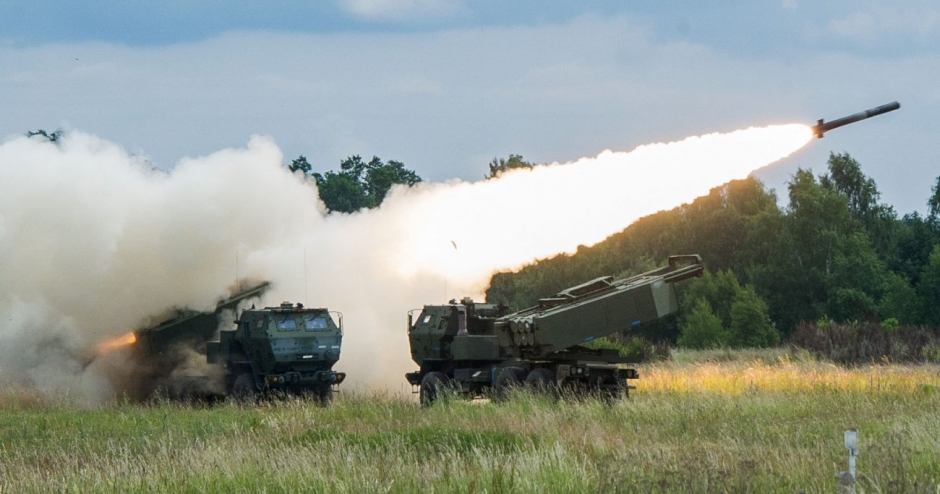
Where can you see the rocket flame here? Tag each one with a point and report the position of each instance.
(107, 346)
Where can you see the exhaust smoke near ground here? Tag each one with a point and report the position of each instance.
(93, 243)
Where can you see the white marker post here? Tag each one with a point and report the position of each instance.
(847, 479)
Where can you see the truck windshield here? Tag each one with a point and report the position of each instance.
(287, 323)
(316, 323)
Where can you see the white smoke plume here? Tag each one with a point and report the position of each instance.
(93, 242)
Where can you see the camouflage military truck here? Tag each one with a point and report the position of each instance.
(288, 348)
(478, 350)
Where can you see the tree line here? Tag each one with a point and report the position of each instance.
(359, 184)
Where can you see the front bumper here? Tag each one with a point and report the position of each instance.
(303, 379)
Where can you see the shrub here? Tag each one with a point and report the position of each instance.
(864, 343)
(702, 329)
(750, 322)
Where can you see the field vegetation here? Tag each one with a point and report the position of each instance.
(701, 421)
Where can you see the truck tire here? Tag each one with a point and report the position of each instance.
(433, 385)
(614, 391)
(325, 395)
(507, 379)
(244, 387)
(542, 381)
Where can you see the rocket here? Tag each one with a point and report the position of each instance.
(822, 126)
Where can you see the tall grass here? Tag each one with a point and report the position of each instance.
(706, 426)
(779, 370)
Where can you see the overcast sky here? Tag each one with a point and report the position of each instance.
(447, 85)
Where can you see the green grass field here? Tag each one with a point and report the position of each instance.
(702, 422)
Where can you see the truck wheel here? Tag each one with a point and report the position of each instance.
(507, 379)
(244, 388)
(613, 394)
(542, 381)
(432, 387)
(325, 395)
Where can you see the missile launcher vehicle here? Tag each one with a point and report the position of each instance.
(288, 348)
(478, 350)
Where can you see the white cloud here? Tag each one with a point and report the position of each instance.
(399, 10)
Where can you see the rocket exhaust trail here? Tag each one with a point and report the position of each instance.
(529, 214)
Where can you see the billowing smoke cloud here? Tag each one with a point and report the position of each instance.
(93, 242)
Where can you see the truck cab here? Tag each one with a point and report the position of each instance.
(288, 348)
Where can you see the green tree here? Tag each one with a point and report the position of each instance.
(719, 290)
(751, 326)
(51, 136)
(359, 184)
(913, 241)
(300, 164)
(718, 226)
(928, 290)
(899, 301)
(856, 280)
(742, 316)
(380, 177)
(499, 165)
(933, 206)
(701, 328)
(341, 192)
(811, 250)
(845, 176)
